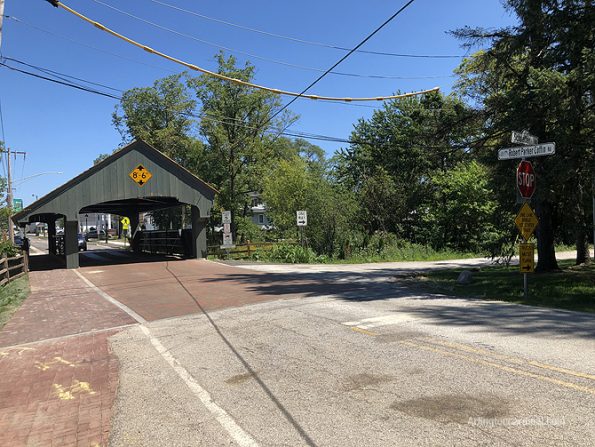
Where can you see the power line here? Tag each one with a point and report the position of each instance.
(220, 76)
(353, 50)
(203, 116)
(266, 59)
(83, 44)
(304, 41)
(62, 75)
(97, 92)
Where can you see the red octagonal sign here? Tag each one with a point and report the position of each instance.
(525, 179)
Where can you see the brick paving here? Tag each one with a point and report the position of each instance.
(58, 393)
(154, 293)
(56, 390)
(60, 304)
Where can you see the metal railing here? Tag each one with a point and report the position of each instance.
(169, 242)
(14, 267)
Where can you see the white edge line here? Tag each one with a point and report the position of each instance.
(105, 296)
(228, 423)
(240, 436)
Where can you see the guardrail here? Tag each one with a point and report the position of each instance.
(13, 268)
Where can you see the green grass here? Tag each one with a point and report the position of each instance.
(407, 255)
(571, 288)
(11, 297)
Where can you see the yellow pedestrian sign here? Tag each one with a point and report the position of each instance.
(140, 175)
(526, 221)
(125, 222)
(527, 258)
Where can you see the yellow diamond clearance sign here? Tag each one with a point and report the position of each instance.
(526, 221)
(140, 175)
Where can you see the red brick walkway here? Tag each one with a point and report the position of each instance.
(58, 392)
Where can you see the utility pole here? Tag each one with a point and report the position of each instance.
(1, 19)
(9, 197)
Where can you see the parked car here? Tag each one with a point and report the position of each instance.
(93, 234)
(82, 242)
(18, 240)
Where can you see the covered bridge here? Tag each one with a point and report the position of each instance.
(137, 178)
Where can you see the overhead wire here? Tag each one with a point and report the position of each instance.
(304, 41)
(220, 76)
(256, 56)
(78, 42)
(238, 122)
(353, 50)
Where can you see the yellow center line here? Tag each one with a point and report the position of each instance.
(562, 370)
(520, 372)
(493, 355)
(363, 331)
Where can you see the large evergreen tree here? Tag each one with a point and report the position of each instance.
(539, 76)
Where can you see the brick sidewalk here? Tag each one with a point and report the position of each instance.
(60, 304)
(57, 390)
(59, 393)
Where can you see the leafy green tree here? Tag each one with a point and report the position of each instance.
(462, 210)
(393, 155)
(236, 123)
(539, 76)
(295, 185)
(163, 116)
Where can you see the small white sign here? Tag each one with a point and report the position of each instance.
(302, 218)
(226, 217)
(538, 150)
(523, 137)
(227, 241)
(226, 228)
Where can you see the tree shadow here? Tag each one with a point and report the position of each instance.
(388, 284)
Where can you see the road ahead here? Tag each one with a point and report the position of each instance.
(329, 356)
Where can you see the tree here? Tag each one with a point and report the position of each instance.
(163, 116)
(538, 76)
(294, 185)
(236, 122)
(468, 206)
(393, 155)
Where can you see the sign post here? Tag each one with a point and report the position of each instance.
(302, 222)
(227, 235)
(526, 220)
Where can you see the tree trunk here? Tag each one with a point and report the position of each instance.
(582, 246)
(545, 238)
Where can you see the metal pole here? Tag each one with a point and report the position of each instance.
(526, 285)
(593, 194)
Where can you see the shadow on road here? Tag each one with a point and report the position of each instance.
(386, 284)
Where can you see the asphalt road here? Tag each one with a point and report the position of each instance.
(355, 359)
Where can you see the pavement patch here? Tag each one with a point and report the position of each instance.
(454, 408)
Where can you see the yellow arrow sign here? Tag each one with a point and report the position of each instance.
(526, 221)
(527, 258)
(140, 175)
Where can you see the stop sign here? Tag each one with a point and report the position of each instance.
(525, 179)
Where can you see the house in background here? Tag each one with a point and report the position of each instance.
(258, 208)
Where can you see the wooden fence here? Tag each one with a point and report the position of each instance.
(240, 250)
(13, 268)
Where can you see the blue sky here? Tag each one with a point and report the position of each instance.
(63, 129)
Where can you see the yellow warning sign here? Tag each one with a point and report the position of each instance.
(125, 222)
(527, 258)
(526, 221)
(140, 175)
